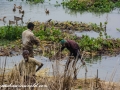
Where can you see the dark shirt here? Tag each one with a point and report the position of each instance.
(72, 46)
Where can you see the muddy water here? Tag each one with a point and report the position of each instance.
(107, 66)
(36, 12)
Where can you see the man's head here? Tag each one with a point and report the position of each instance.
(25, 55)
(30, 26)
(63, 42)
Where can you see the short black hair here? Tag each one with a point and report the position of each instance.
(25, 52)
(30, 24)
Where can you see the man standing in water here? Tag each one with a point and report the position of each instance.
(28, 39)
(27, 68)
(74, 49)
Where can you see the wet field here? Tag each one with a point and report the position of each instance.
(36, 12)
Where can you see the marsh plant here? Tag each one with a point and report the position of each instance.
(51, 33)
(11, 32)
(92, 5)
(51, 36)
(118, 29)
(98, 44)
(35, 1)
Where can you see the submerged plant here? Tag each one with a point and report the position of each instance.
(118, 29)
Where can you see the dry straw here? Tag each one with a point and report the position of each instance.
(60, 79)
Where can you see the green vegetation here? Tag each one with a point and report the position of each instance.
(92, 5)
(98, 44)
(53, 34)
(50, 34)
(11, 32)
(118, 29)
(102, 44)
(4, 42)
(36, 1)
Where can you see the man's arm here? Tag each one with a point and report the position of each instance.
(35, 40)
(39, 67)
(62, 48)
(39, 64)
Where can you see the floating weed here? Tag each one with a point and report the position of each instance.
(118, 29)
(98, 44)
(35, 1)
(92, 6)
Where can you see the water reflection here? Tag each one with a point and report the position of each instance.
(106, 68)
(89, 33)
(77, 12)
(93, 60)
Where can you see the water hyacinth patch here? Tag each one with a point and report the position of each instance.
(35, 1)
(92, 5)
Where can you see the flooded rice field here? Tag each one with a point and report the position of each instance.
(36, 12)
